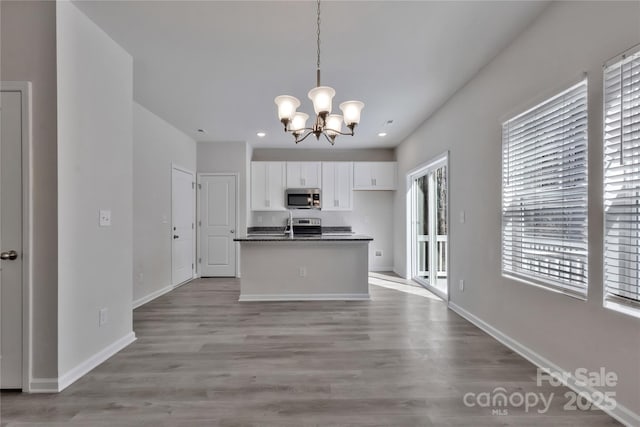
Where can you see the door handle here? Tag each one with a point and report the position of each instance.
(9, 255)
(175, 236)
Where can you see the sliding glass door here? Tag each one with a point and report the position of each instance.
(429, 225)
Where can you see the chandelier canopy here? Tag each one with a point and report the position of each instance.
(325, 123)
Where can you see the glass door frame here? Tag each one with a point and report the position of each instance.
(412, 224)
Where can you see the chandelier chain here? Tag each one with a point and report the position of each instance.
(318, 34)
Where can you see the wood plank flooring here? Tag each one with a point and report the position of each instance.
(203, 359)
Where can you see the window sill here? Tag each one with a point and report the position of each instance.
(611, 303)
(546, 286)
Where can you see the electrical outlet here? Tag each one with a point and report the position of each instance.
(105, 218)
(461, 285)
(302, 271)
(103, 317)
(378, 253)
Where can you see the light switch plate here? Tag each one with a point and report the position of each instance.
(105, 218)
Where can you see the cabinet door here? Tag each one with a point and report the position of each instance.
(311, 174)
(344, 185)
(362, 176)
(384, 175)
(267, 186)
(374, 176)
(337, 186)
(329, 198)
(294, 175)
(304, 175)
(275, 185)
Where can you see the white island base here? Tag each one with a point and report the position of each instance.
(304, 270)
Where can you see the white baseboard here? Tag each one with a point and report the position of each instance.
(153, 295)
(305, 297)
(620, 412)
(43, 385)
(83, 368)
(376, 269)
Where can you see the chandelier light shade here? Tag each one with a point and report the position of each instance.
(286, 106)
(299, 123)
(325, 123)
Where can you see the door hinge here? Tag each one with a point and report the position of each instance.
(193, 267)
(199, 186)
(199, 223)
(192, 226)
(193, 185)
(199, 260)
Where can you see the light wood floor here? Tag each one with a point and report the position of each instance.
(203, 359)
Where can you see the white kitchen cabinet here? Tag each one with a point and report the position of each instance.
(374, 175)
(304, 175)
(267, 186)
(337, 186)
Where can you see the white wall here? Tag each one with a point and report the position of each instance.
(372, 212)
(94, 172)
(567, 39)
(156, 146)
(28, 53)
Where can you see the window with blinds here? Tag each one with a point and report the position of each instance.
(544, 193)
(622, 180)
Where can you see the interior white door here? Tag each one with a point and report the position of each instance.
(11, 239)
(218, 197)
(183, 226)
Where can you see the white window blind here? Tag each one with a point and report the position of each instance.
(544, 193)
(622, 179)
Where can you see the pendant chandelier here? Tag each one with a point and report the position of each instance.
(325, 123)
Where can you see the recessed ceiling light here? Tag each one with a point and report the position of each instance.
(261, 134)
(202, 131)
(382, 134)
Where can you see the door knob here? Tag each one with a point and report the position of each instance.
(9, 255)
(175, 236)
(232, 231)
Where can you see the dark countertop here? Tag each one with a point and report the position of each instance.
(285, 238)
(280, 230)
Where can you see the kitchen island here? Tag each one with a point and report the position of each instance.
(278, 268)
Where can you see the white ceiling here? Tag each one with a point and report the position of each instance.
(217, 65)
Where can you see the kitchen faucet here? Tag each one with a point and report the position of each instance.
(290, 224)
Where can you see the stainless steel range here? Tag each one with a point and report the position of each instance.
(305, 226)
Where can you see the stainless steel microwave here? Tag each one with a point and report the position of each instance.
(303, 198)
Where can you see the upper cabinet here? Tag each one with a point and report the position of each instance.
(267, 186)
(304, 175)
(337, 186)
(374, 175)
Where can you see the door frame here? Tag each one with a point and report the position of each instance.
(177, 167)
(199, 218)
(27, 226)
(437, 161)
